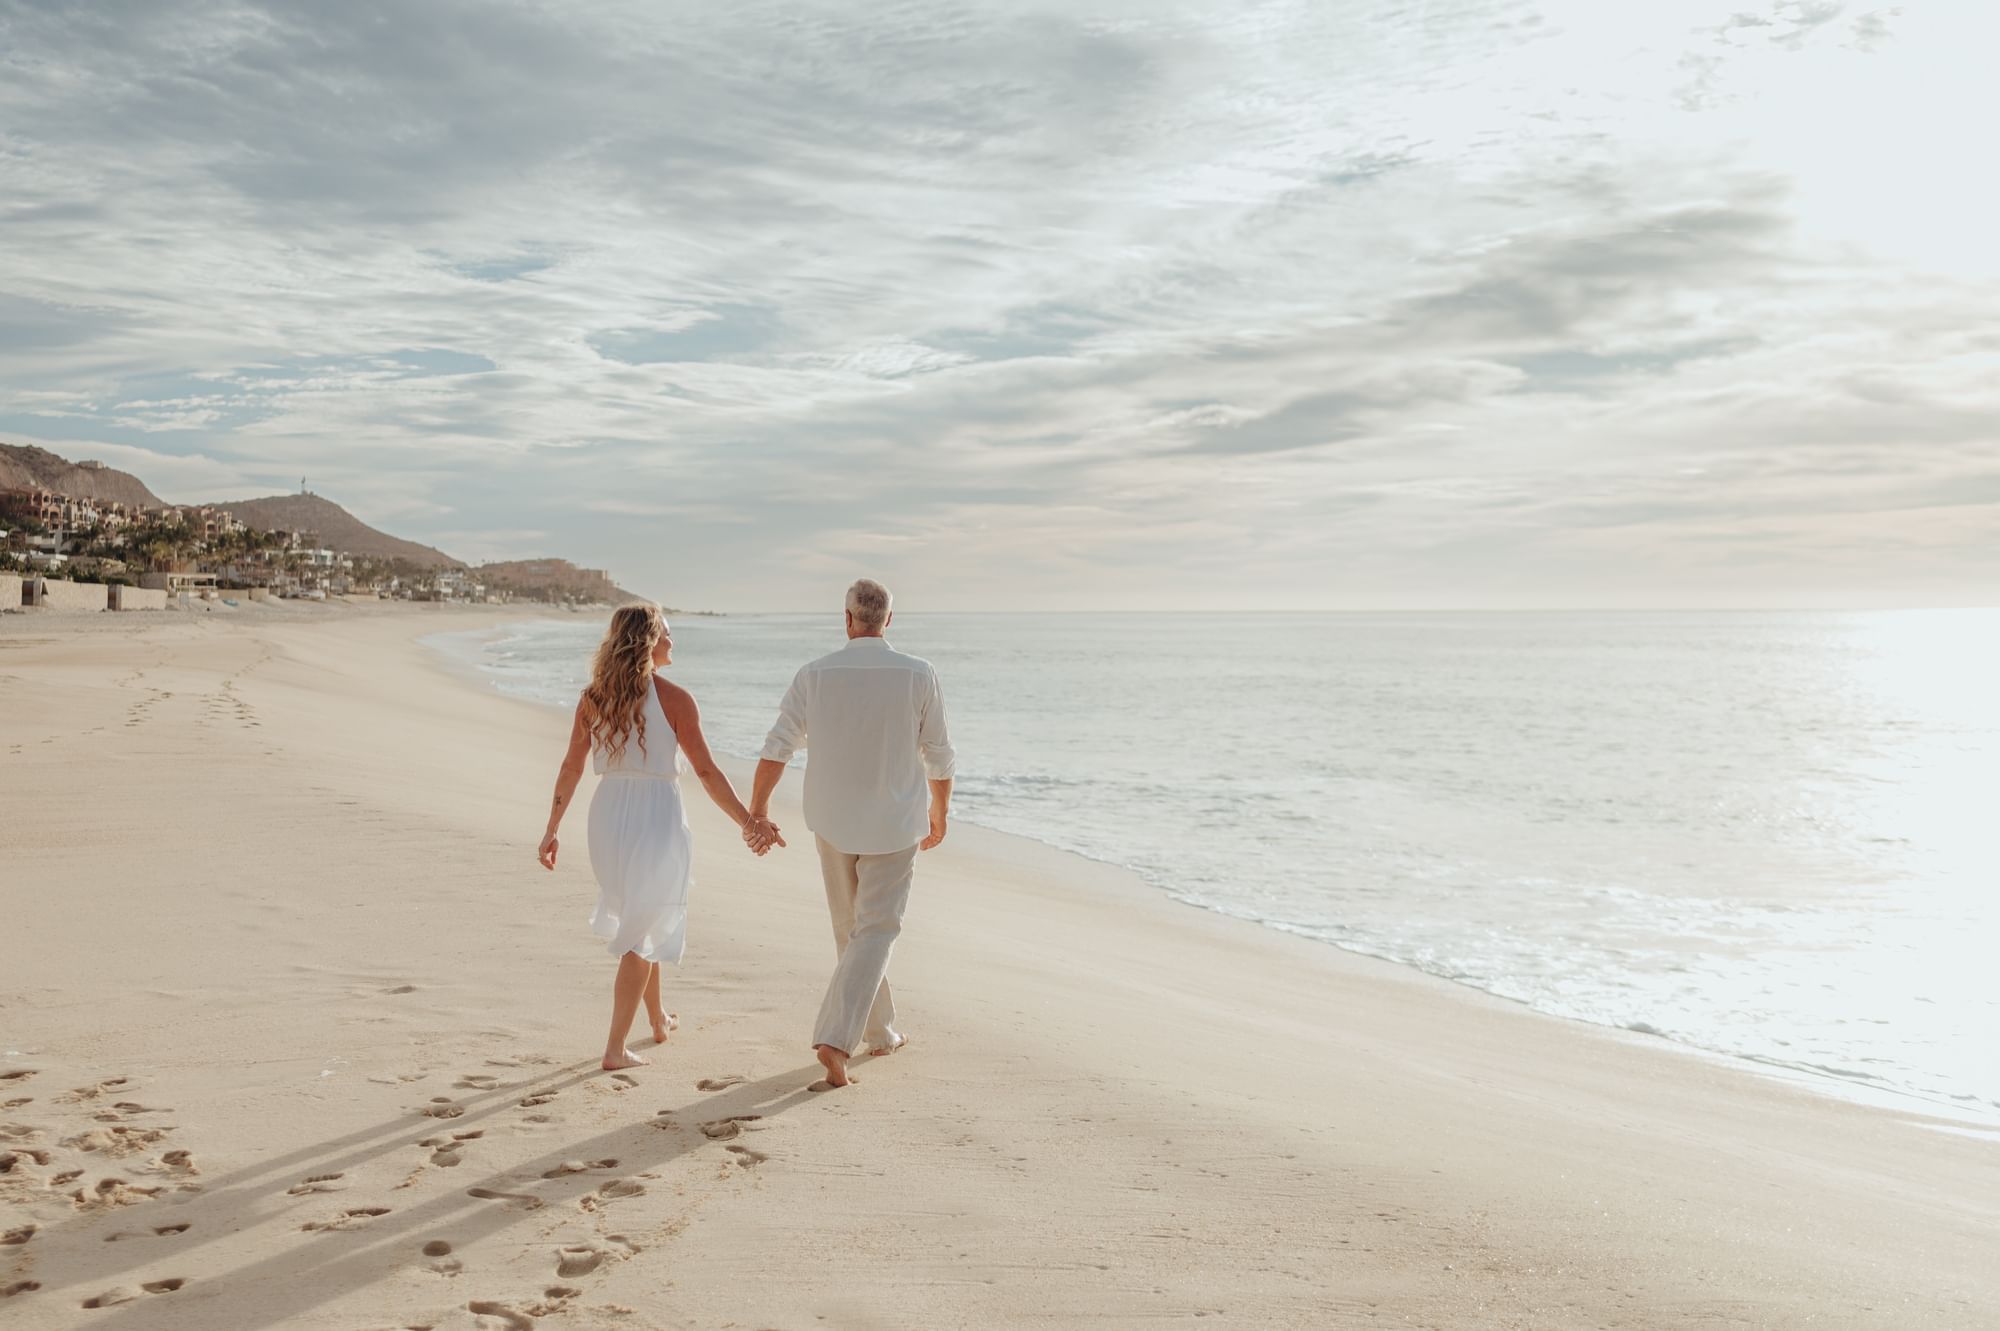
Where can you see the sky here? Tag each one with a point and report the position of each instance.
(1154, 306)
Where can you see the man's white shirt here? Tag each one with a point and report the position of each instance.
(873, 721)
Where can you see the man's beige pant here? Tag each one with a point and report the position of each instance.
(866, 895)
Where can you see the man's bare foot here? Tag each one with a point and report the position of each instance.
(883, 1051)
(624, 1058)
(665, 1027)
(835, 1064)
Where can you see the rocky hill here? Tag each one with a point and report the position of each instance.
(338, 529)
(553, 578)
(23, 467)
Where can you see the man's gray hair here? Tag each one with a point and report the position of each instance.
(869, 602)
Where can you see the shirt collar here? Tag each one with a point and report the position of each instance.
(868, 644)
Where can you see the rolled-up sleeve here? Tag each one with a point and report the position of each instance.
(788, 735)
(933, 735)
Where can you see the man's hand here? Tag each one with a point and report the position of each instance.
(547, 854)
(760, 834)
(936, 838)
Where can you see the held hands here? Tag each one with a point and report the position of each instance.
(547, 854)
(760, 834)
(936, 838)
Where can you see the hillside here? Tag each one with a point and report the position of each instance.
(337, 528)
(23, 467)
(539, 578)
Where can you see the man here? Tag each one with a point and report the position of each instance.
(873, 722)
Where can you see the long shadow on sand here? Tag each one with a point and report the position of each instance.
(224, 1199)
(314, 1268)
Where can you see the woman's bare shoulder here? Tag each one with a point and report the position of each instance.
(672, 694)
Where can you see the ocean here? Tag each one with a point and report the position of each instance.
(1771, 836)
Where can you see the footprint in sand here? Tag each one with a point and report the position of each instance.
(722, 1129)
(121, 1294)
(14, 1238)
(578, 1261)
(622, 1082)
(569, 1167)
(719, 1083)
(19, 1287)
(442, 1107)
(317, 1183)
(18, 1074)
(110, 1298)
(109, 1194)
(115, 1141)
(78, 1094)
(449, 1152)
(355, 1218)
(11, 1160)
(443, 1262)
(541, 1098)
(402, 989)
(17, 1102)
(620, 1188)
(745, 1156)
(18, 1132)
(125, 1109)
(517, 1200)
(446, 1152)
(510, 1319)
(553, 1298)
(157, 1232)
(477, 1081)
(179, 1162)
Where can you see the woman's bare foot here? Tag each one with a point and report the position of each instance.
(835, 1064)
(664, 1026)
(624, 1058)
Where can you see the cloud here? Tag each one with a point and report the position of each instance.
(1029, 303)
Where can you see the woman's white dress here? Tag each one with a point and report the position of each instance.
(639, 844)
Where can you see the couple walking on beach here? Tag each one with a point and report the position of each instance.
(878, 789)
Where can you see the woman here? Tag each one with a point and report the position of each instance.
(640, 730)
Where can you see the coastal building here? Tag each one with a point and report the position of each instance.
(204, 522)
(123, 598)
(46, 508)
(174, 584)
(55, 594)
(42, 508)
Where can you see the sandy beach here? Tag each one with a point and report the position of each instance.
(294, 1033)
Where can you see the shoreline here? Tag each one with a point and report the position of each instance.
(1111, 1111)
(1970, 1118)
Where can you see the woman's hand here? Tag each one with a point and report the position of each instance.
(760, 834)
(547, 854)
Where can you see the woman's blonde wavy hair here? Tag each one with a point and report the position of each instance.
(614, 702)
